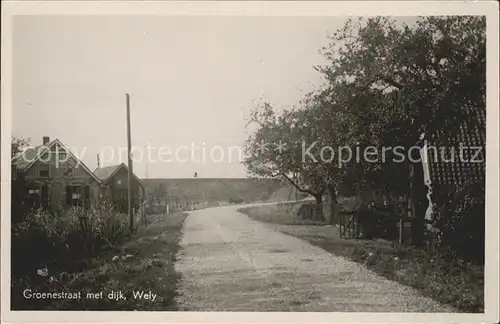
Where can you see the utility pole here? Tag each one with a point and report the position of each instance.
(146, 167)
(129, 184)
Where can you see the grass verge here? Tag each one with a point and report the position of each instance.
(145, 264)
(276, 215)
(437, 275)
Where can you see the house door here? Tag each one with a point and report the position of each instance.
(78, 196)
(44, 196)
(120, 198)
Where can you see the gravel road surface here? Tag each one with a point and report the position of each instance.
(230, 262)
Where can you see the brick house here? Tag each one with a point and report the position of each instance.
(114, 186)
(54, 177)
(50, 176)
(446, 168)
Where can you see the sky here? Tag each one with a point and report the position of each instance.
(191, 80)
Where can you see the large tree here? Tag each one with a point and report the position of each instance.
(17, 145)
(386, 84)
(160, 193)
(275, 149)
(399, 81)
(18, 184)
(436, 65)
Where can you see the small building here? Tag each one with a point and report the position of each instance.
(114, 184)
(52, 176)
(452, 171)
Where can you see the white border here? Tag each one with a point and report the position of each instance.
(252, 8)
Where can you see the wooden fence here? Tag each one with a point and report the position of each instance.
(312, 212)
(349, 225)
(303, 210)
(289, 207)
(370, 224)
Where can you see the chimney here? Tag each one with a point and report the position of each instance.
(46, 140)
(98, 162)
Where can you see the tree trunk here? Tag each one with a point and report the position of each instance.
(319, 198)
(418, 202)
(333, 205)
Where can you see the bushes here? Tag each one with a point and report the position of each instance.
(236, 200)
(283, 214)
(154, 209)
(461, 223)
(60, 243)
(463, 233)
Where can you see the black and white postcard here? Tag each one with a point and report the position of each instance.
(250, 161)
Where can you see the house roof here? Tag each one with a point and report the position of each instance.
(31, 155)
(447, 165)
(105, 173)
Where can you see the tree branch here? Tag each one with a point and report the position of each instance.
(309, 191)
(392, 82)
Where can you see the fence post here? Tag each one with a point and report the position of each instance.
(357, 227)
(340, 224)
(401, 226)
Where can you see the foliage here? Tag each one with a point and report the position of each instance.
(282, 214)
(46, 240)
(236, 200)
(460, 223)
(386, 84)
(146, 262)
(160, 193)
(437, 65)
(291, 129)
(18, 144)
(398, 81)
(47, 246)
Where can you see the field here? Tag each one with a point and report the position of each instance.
(220, 190)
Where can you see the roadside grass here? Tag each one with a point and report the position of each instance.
(274, 214)
(143, 264)
(437, 275)
(214, 190)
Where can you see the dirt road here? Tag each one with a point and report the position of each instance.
(230, 262)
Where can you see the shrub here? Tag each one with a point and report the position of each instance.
(236, 200)
(461, 223)
(154, 209)
(61, 242)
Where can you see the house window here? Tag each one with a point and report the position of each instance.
(67, 170)
(119, 195)
(44, 170)
(58, 154)
(38, 196)
(62, 156)
(34, 191)
(78, 195)
(119, 182)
